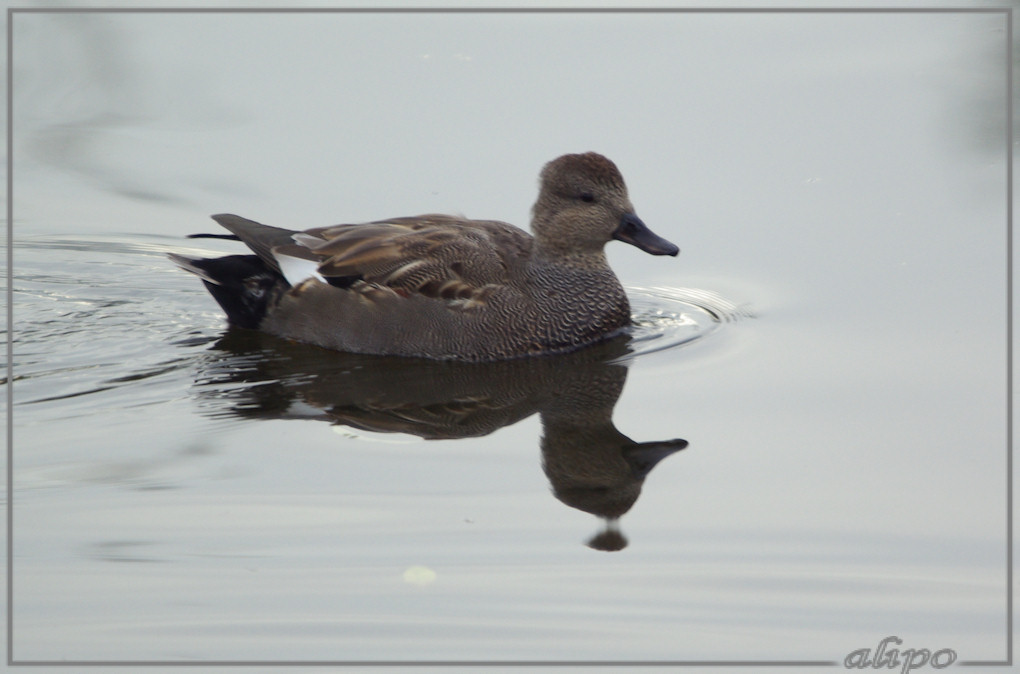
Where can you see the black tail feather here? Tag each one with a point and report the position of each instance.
(242, 284)
(228, 237)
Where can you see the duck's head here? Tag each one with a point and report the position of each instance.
(583, 204)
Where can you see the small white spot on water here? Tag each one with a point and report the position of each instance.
(419, 575)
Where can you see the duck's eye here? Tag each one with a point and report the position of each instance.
(587, 197)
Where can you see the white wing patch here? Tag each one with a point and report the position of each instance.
(297, 269)
(307, 240)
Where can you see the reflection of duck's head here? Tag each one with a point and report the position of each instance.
(603, 478)
(613, 492)
(590, 464)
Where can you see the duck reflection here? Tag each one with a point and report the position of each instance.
(591, 465)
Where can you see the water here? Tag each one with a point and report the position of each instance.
(798, 451)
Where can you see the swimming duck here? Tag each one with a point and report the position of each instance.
(439, 286)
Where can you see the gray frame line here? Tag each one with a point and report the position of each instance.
(1009, 335)
(508, 10)
(432, 663)
(9, 383)
(10, 340)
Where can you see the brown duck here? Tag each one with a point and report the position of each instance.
(439, 286)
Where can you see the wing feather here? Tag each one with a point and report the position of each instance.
(461, 262)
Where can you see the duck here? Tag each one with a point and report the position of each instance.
(442, 287)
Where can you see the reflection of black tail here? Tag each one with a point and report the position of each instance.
(242, 284)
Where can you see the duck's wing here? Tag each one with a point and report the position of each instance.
(437, 256)
(433, 255)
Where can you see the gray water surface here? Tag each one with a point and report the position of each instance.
(798, 451)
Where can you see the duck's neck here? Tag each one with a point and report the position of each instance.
(575, 260)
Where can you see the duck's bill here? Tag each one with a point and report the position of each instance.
(636, 233)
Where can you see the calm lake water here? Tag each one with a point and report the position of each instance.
(800, 450)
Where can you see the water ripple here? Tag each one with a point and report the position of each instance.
(665, 318)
